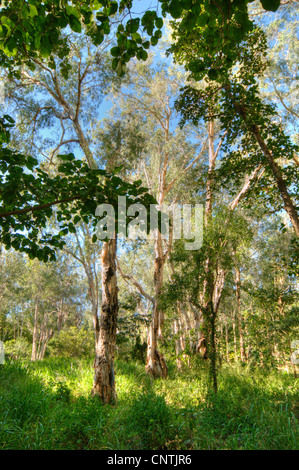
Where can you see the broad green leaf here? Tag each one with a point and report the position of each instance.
(72, 11)
(159, 23)
(270, 5)
(202, 20)
(33, 11)
(112, 9)
(154, 41)
(75, 24)
(186, 4)
(115, 51)
(45, 47)
(212, 74)
(133, 25)
(175, 9)
(190, 21)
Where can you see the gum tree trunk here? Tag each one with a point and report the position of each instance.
(35, 333)
(155, 362)
(104, 376)
(239, 314)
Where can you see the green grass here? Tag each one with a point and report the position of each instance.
(47, 405)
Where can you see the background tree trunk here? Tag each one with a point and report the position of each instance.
(35, 333)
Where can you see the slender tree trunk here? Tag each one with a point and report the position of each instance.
(182, 331)
(227, 341)
(155, 362)
(178, 349)
(200, 328)
(104, 375)
(35, 333)
(211, 171)
(239, 315)
(47, 335)
(210, 314)
(235, 340)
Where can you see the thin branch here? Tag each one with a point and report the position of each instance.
(183, 171)
(39, 207)
(247, 186)
(129, 277)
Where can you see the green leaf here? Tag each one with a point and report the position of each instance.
(72, 228)
(144, 55)
(159, 23)
(133, 25)
(203, 20)
(45, 47)
(9, 118)
(115, 51)
(175, 9)
(196, 66)
(71, 11)
(33, 11)
(115, 63)
(212, 74)
(270, 5)
(113, 7)
(190, 21)
(186, 4)
(75, 24)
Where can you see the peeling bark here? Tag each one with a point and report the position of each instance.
(239, 314)
(155, 362)
(104, 375)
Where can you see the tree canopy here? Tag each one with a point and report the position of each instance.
(32, 29)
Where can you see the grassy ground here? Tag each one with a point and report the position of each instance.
(47, 405)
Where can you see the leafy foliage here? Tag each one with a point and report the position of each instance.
(253, 135)
(29, 196)
(32, 29)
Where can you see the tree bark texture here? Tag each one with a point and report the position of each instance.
(104, 375)
(155, 362)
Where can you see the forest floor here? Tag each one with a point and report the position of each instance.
(47, 406)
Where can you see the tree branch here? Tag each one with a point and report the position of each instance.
(129, 277)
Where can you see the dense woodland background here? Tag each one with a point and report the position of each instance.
(226, 315)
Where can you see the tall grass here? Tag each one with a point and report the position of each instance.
(47, 405)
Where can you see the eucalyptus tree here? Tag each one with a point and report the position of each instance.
(68, 99)
(13, 268)
(144, 140)
(271, 294)
(32, 30)
(38, 299)
(52, 294)
(62, 102)
(278, 84)
(244, 115)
